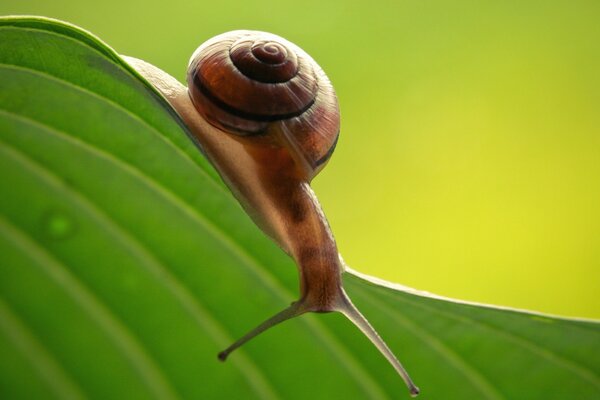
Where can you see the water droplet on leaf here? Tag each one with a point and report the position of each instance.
(58, 225)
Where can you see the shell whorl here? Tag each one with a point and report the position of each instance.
(253, 83)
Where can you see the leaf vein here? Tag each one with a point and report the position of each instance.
(548, 354)
(40, 358)
(178, 150)
(480, 382)
(337, 348)
(188, 302)
(106, 320)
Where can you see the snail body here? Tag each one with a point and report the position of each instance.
(287, 128)
(266, 116)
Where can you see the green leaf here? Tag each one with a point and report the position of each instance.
(126, 265)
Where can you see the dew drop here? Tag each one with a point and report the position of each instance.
(58, 225)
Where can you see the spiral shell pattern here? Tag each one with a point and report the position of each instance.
(251, 83)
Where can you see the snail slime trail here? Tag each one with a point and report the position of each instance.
(266, 116)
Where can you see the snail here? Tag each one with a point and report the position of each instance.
(267, 117)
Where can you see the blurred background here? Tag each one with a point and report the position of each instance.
(469, 159)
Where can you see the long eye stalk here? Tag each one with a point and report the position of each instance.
(292, 311)
(352, 313)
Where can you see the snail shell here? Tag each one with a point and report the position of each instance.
(254, 83)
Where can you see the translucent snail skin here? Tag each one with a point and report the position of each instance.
(266, 116)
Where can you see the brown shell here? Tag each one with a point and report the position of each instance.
(250, 83)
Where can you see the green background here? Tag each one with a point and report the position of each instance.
(469, 161)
